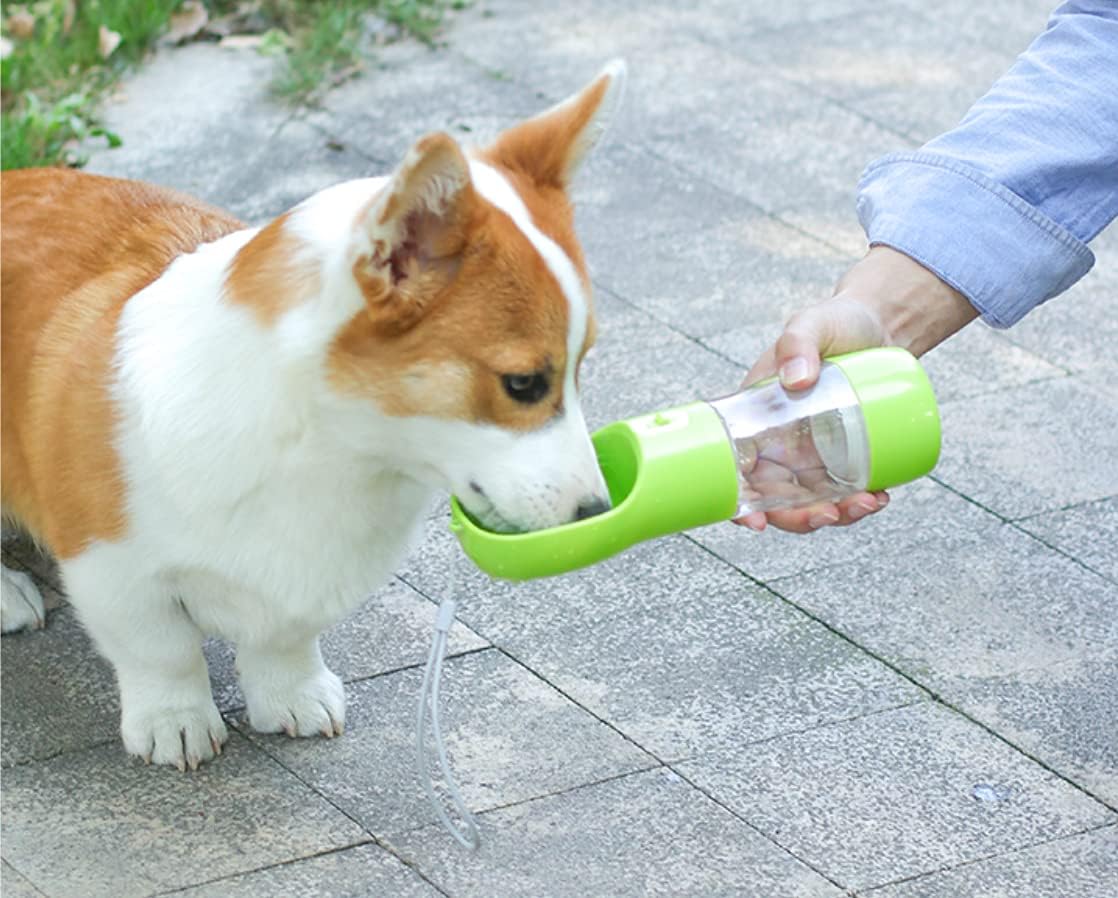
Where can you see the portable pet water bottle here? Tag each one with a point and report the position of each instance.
(869, 423)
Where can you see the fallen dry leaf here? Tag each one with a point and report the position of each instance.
(107, 41)
(187, 22)
(20, 23)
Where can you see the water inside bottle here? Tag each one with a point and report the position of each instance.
(796, 449)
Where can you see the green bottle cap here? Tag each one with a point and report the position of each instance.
(667, 471)
(899, 411)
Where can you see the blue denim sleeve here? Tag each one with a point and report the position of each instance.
(1003, 206)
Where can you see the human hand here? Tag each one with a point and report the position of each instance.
(886, 299)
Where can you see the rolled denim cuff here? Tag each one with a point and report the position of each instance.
(999, 251)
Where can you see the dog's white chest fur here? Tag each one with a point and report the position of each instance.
(246, 504)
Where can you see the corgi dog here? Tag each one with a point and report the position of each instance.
(239, 431)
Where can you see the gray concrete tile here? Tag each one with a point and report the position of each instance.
(631, 201)
(919, 513)
(1084, 865)
(1012, 632)
(184, 124)
(896, 794)
(391, 630)
(980, 360)
(95, 823)
(680, 653)
(1079, 330)
(1008, 26)
(510, 737)
(625, 330)
(954, 614)
(58, 693)
(366, 870)
(1032, 448)
(1065, 714)
(14, 885)
(641, 835)
(673, 371)
(767, 140)
(1088, 533)
(915, 74)
(753, 271)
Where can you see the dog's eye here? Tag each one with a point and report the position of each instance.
(526, 388)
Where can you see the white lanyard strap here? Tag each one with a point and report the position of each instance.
(467, 834)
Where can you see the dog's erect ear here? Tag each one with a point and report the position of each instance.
(412, 233)
(550, 147)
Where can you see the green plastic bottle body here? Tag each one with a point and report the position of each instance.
(795, 449)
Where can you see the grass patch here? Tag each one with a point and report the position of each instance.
(324, 43)
(54, 77)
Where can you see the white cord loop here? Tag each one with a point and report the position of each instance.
(466, 835)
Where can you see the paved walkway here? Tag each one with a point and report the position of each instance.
(925, 705)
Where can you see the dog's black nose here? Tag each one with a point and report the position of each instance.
(589, 508)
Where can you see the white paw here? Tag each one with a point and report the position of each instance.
(21, 603)
(180, 736)
(299, 706)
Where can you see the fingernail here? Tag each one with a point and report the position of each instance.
(793, 371)
(822, 519)
(858, 512)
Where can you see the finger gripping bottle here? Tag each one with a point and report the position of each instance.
(869, 423)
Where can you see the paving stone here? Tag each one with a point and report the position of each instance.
(752, 271)
(631, 202)
(1084, 865)
(625, 330)
(392, 630)
(96, 823)
(58, 693)
(680, 654)
(184, 124)
(641, 835)
(951, 615)
(1032, 448)
(676, 371)
(510, 737)
(1079, 330)
(1089, 533)
(779, 145)
(1065, 714)
(1014, 633)
(896, 794)
(918, 514)
(980, 360)
(916, 74)
(1008, 26)
(14, 885)
(360, 871)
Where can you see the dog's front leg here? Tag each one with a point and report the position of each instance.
(167, 712)
(288, 688)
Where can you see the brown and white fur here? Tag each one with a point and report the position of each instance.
(238, 431)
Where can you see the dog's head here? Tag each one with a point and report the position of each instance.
(462, 309)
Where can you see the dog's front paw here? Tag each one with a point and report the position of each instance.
(311, 705)
(21, 603)
(180, 736)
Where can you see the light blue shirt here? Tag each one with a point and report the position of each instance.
(1003, 206)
